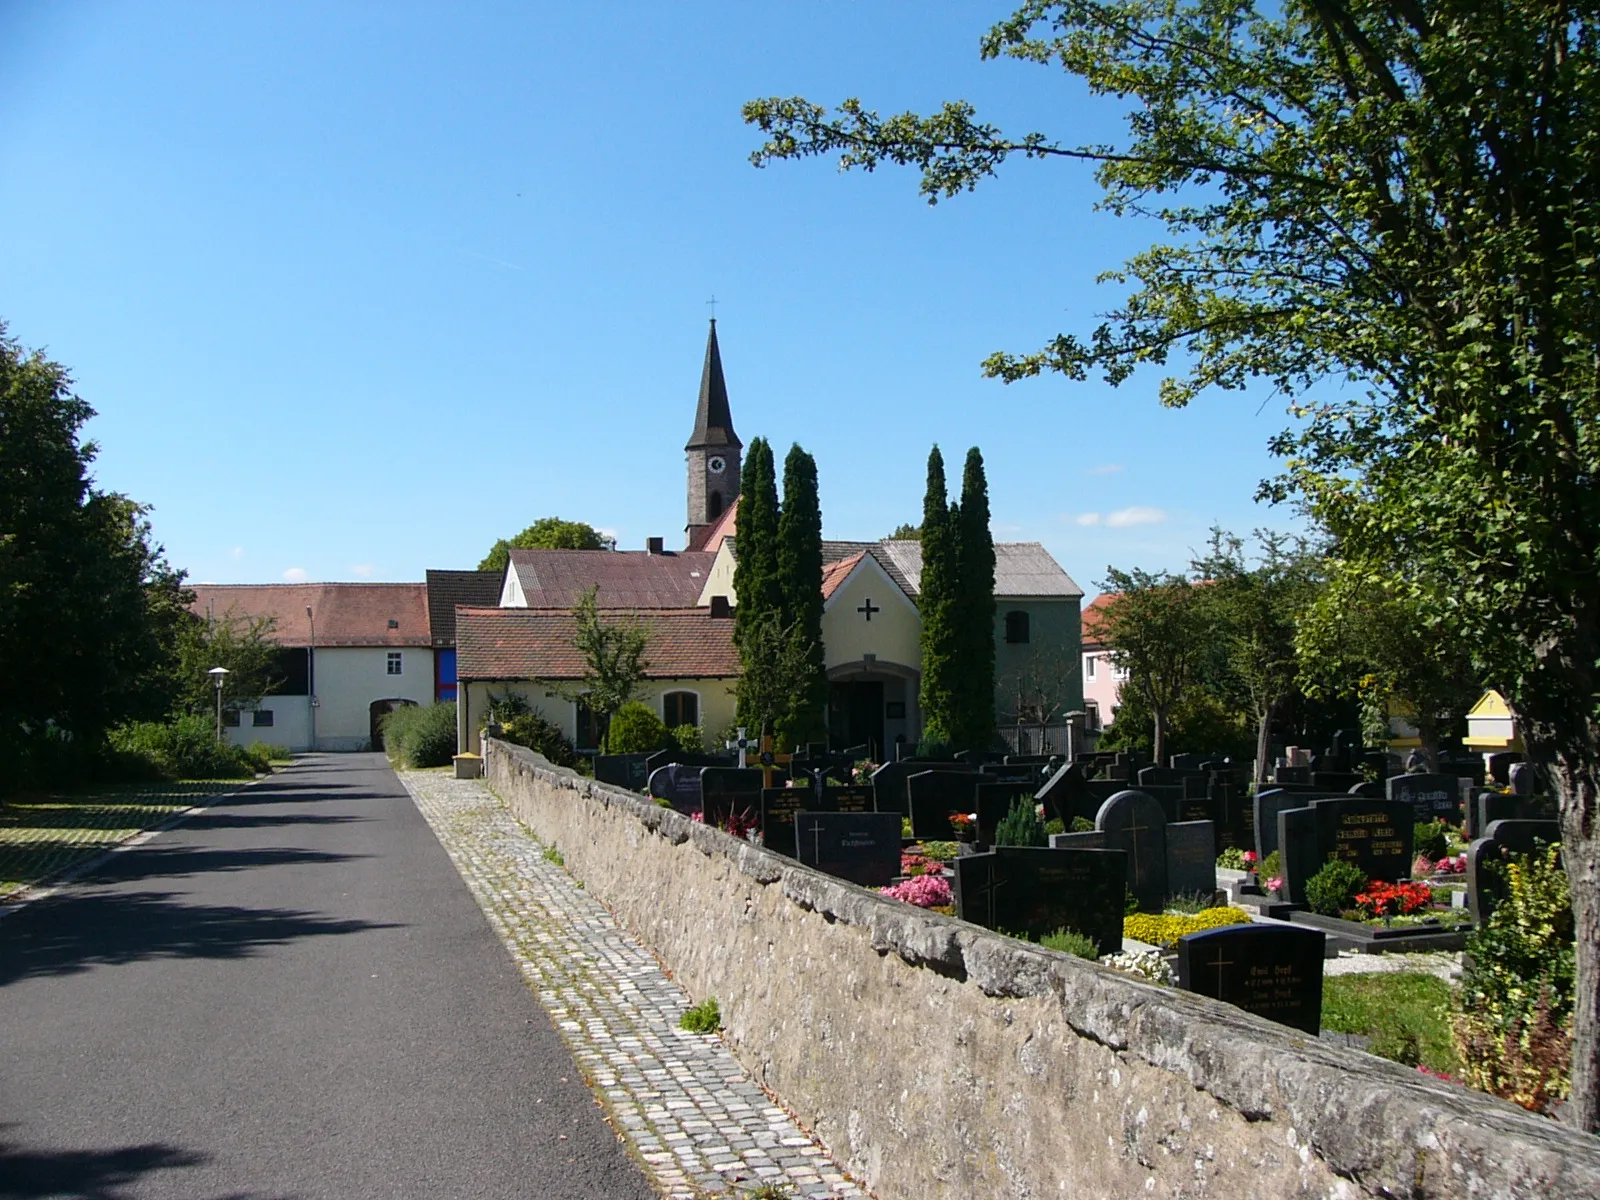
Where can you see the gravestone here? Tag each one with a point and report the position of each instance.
(1033, 892)
(674, 756)
(1186, 762)
(934, 795)
(779, 807)
(890, 782)
(1484, 856)
(1375, 835)
(678, 785)
(1135, 823)
(1335, 781)
(1267, 805)
(1066, 795)
(1500, 766)
(728, 790)
(1497, 806)
(1090, 840)
(1298, 851)
(629, 771)
(1520, 777)
(1274, 971)
(1292, 775)
(850, 799)
(1369, 788)
(1233, 813)
(993, 803)
(1432, 797)
(1191, 858)
(863, 848)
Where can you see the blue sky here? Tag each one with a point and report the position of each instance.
(358, 288)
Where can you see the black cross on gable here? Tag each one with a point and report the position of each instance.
(869, 608)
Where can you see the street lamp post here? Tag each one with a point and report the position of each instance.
(311, 675)
(218, 674)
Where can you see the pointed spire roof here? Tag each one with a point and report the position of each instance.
(713, 423)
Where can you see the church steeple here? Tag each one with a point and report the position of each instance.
(713, 449)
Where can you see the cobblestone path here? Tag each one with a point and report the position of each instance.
(685, 1105)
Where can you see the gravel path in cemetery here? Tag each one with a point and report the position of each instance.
(1446, 965)
(685, 1105)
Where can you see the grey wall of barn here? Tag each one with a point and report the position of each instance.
(1055, 635)
(935, 1059)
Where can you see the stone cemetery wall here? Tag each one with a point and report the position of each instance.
(935, 1059)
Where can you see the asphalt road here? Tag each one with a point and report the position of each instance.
(290, 995)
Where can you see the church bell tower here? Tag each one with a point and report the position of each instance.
(713, 449)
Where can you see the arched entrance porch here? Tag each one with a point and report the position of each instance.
(872, 704)
(377, 711)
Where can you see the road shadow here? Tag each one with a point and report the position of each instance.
(31, 1174)
(72, 933)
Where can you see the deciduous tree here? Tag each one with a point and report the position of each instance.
(1154, 631)
(547, 533)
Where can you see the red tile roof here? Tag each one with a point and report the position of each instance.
(346, 614)
(1093, 613)
(626, 578)
(537, 643)
(723, 528)
(835, 573)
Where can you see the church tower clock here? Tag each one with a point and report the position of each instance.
(713, 449)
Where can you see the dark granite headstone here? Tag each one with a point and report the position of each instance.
(623, 770)
(1375, 835)
(1066, 795)
(1521, 778)
(1136, 823)
(1496, 806)
(934, 795)
(779, 807)
(1090, 840)
(1268, 804)
(861, 847)
(1292, 775)
(1370, 788)
(678, 785)
(849, 799)
(1298, 851)
(1485, 878)
(1432, 797)
(1274, 971)
(684, 758)
(994, 801)
(1186, 762)
(725, 791)
(1191, 858)
(890, 782)
(1500, 766)
(1233, 813)
(1034, 892)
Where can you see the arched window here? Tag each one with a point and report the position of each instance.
(680, 708)
(714, 506)
(1017, 627)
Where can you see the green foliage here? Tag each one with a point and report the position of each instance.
(1231, 859)
(906, 533)
(1021, 826)
(690, 739)
(1054, 825)
(974, 616)
(531, 729)
(551, 855)
(939, 603)
(270, 751)
(1519, 986)
(635, 729)
(1404, 1013)
(241, 644)
(614, 658)
(1190, 903)
(182, 748)
(799, 561)
(416, 735)
(547, 533)
(1069, 941)
(1082, 825)
(940, 851)
(1430, 839)
(702, 1018)
(1154, 632)
(1271, 867)
(760, 630)
(1332, 890)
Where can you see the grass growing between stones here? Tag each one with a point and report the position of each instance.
(44, 836)
(702, 1018)
(552, 855)
(1405, 1014)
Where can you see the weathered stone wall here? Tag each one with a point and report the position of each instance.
(935, 1059)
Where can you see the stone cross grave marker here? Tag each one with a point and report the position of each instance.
(1032, 891)
(769, 760)
(1432, 797)
(1135, 823)
(933, 796)
(863, 847)
(678, 785)
(1274, 971)
(741, 745)
(725, 791)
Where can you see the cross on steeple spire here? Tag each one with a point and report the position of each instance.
(713, 422)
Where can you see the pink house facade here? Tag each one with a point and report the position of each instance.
(1102, 681)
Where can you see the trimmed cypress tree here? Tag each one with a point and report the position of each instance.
(757, 588)
(800, 579)
(940, 579)
(974, 676)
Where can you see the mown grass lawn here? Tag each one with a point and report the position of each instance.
(41, 836)
(1405, 1013)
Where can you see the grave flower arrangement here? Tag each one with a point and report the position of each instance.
(862, 771)
(925, 891)
(1393, 899)
(1450, 864)
(917, 864)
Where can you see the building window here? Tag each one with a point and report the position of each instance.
(1017, 628)
(714, 506)
(587, 734)
(230, 718)
(1088, 666)
(680, 708)
(394, 662)
(1091, 713)
(261, 718)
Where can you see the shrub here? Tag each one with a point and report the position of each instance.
(260, 761)
(1163, 929)
(182, 748)
(1071, 942)
(1082, 825)
(1021, 826)
(925, 891)
(414, 736)
(1333, 889)
(702, 1018)
(271, 751)
(1513, 1018)
(1271, 866)
(1231, 859)
(690, 739)
(940, 851)
(635, 729)
(532, 730)
(1430, 840)
(1054, 825)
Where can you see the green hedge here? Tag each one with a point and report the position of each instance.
(635, 729)
(417, 736)
(182, 748)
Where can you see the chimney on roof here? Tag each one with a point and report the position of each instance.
(721, 610)
(655, 545)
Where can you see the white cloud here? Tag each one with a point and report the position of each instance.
(362, 570)
(238, 553)
(296, 575)
(1106, 469)
(1087, 518)
(1139, 514)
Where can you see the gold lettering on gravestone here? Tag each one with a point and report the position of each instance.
(1272, 989)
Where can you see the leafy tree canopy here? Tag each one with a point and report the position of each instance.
(547, 533)
(906, 533)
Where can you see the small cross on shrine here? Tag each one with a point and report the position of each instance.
(869, 608)
(770, 761)
(741, 744)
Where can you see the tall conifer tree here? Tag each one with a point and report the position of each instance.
(974, 676)
(940, 579)
(800, 576)
(756, 585)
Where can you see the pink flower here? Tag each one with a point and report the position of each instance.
(1424, 866)
(925, 891)
(1275, 884)
(1250, 858)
